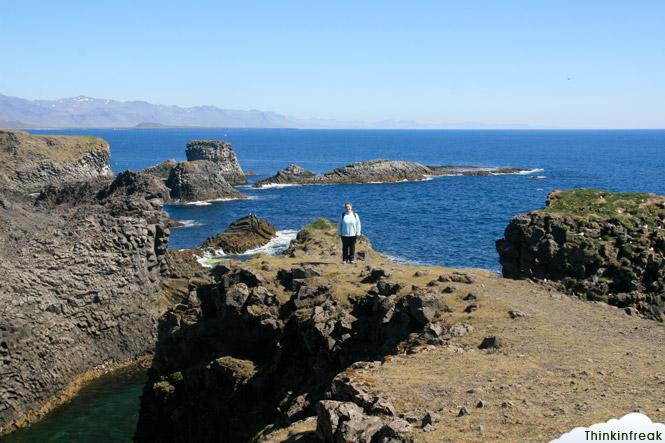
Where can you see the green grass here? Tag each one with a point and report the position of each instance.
(321, 223)
(585, 202)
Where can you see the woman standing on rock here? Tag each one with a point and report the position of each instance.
(349, 230)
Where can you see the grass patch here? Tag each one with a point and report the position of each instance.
(648, 208)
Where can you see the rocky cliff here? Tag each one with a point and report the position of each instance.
(81, 264)
(300, 347)
(259, 347)
(598, 245)
(376, 171)
(29, 162)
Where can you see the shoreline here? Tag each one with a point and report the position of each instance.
(79, 382)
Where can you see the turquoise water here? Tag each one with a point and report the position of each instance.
(105, 411)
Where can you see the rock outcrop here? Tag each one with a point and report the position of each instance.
(80, 263)
(199, 180)
(161, 170)
(29, 162)
(375, 171)
(243, 234)
(595, 244)
(209, 173)
(292, 174)
(247, 351)
(221, 153)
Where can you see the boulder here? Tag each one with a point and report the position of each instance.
(424, 307)
(375, 274)
(346, 421)
(246, 233)
(308, 296)
(386, 288)
(490, 342)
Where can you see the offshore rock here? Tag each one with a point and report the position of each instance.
(243, 234)
(375, 171)
(199, 180)
(292, 174)
(221, 154)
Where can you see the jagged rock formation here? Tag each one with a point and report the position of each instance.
(596, 244)
(80, 265)
(292, 174)
(375, 171)
(251, 350)
(243, 234)
(221, 153)
(161, 170)
(29, 162)
(198, 181)
(209, 173)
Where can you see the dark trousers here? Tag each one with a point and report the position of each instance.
(348, 248)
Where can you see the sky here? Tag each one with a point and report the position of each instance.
(551, 64)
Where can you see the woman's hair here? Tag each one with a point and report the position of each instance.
(348, 203)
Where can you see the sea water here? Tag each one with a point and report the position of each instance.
(451, 221)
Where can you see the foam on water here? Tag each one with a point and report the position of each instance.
(279, 185)
(275, 246)
(189, 223)
(209, 202)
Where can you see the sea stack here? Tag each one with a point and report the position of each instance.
(221, 153)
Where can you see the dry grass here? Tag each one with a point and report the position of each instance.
(58, 148)
(569, 363)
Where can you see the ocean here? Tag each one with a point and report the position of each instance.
(450, 221)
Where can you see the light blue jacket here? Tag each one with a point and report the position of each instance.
(349, 225)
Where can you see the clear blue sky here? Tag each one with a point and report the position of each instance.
(494, 62)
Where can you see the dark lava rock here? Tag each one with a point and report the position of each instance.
(281, 364)
(246, 233)
(82, 266)
(424, 307)
(602, 246)
(199, 180)
(161, 170)
(375, 274)
(386, 288)
(292, 174)
(308, 296)
(302, 273)
(470, 308)
(490, 342)
(221, 154)
(470, 297)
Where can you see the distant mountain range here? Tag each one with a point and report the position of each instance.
(88, 112)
